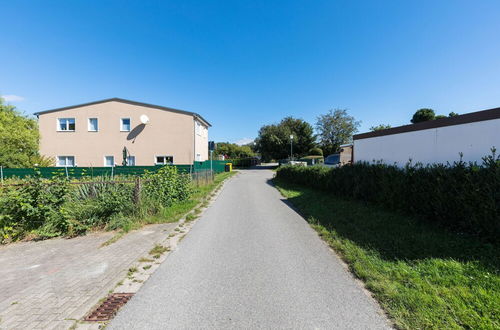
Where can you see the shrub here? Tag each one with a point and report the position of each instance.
(37, 205)
(166, 186)
(461, 196)
(316, 152)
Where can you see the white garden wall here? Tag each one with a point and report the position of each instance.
(434, 145)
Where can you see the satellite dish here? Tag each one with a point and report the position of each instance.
(144, 119)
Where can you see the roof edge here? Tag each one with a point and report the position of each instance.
(117, 99)
(470, 117)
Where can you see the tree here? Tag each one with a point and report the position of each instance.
(316, 152)
(452, 114)
(233, 150)
(440, 116)
(335, 128)
(273, 141)
(18, 139)
(380, 127)
(423, 114)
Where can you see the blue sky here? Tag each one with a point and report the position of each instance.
(243, 64)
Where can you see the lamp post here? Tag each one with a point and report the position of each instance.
(291, 147)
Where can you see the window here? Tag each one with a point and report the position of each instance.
(66, 124)
(125, 125)
(93, 125)
(66, 161)
(109, 160)
(130, 160)
(198, 127)
(163, 160)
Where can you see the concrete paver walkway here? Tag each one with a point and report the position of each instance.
(251, 262)
(48, 284)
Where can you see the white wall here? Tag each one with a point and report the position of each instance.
(435, 145)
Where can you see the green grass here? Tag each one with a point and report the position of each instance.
(423, 276)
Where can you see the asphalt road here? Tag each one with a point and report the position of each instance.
(251, 262)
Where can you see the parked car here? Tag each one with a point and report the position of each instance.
(332, 160)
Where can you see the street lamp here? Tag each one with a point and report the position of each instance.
(291, 147)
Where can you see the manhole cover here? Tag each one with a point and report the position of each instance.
(109, 307)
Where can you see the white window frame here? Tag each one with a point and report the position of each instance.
(58, 164)
(165, 159)
(58, 122)
(121, 124)
(97, 124)
(128, 160)
(106, 163)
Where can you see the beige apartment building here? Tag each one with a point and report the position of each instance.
(95, 134)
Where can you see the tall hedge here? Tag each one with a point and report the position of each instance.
(462, 196)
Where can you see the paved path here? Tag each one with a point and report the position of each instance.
(48, 284)
(251, 262)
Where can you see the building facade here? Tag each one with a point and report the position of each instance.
(107, 132)
(438, 141)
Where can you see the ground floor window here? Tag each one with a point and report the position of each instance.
(66, 161)
(130, 160)
(163, 160)
(109, 160)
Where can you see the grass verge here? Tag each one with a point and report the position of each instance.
(173, 213)
(423, 276)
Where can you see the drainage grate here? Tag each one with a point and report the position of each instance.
(109, 307)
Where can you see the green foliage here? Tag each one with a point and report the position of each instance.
(334, 129)
(18, 138)
(232, 150)
(379, 127)
(452, 114)
(47, 208)
(273, 141)
(166, 186)
(423, 114)
(424, 277)
(316, 152)
(37, 205)
(462, 197)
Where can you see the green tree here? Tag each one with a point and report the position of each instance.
(316, 152)
(18, 138)
(274, 140)
(380, 127)
(335, 128)
(423, 114)
(233, 150)
(452, 114)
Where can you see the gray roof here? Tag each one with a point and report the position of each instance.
(116, 99)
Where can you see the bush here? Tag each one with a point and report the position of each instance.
(35, 206)
(316, 152)
(166, 186)
(463, 197)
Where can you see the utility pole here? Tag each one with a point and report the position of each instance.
(291, 147)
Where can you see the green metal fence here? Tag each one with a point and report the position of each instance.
(78, 172)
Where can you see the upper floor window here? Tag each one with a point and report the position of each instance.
(66, 124)
(125, 125)
(93, 125)
(198, 127)
(66, 161)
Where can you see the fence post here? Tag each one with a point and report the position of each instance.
(137, 191)
(1, 172)
(66, 169)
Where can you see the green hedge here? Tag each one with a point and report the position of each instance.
(462, 196)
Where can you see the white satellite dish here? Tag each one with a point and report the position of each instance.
(144, 119)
